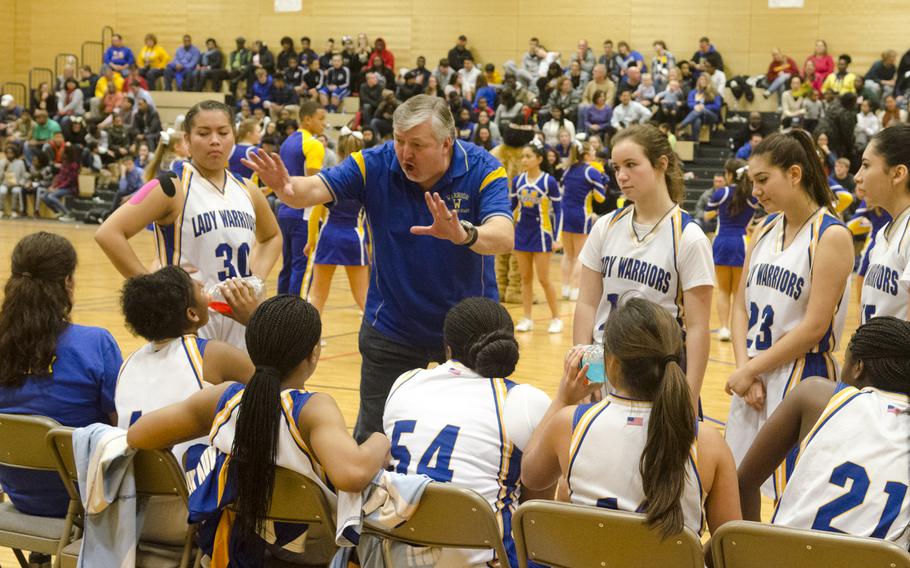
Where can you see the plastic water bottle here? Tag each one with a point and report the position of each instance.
(593, 357)
(216, 297)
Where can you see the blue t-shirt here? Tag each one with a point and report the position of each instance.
(79, 392)
(416, 279)
(119, 56)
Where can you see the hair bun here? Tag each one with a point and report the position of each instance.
(494, 354)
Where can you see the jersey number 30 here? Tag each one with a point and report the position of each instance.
(226, 253)
(441, 447)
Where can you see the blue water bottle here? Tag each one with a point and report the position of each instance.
(593, 357)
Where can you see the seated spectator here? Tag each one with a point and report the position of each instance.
(13, 181)
(813, 107)
(584, 56)
(486, 92)
(382, 118)
(9, 114)
(131, 179)
(866, 93)
(628, 112)
(892, 114)
(313, 80)
(578, 78)
(111, 100)
(420, 71)
(599, 82)
(88, 81)
(669, 104)
(118, 57)
(153, 59)
(566, 98)
(69, 100)
(77, 366)
(792, 111)
(484, 138)
(704, 106)
(65, 184)
(867, 125)
(630, 58)
(686, 76)
(841, 175)
(42, 174)
(443, 72)
(69, 72)
(822, 62)
(181, 68)
(135, 77)
(262, 59)
(379, 50)
(661, 64)
(459, 53)
(147, 123)
(350, 60)
(611, 61)
(370, 97)
(630, 81)
(715, 73)
(829, 157)
(281, 95)
(407, 86)
(492, 75)
(811, 77)
(293, 76)
(841, 81)
(108, 77)
(385, 74)
(550, 71)
(325, 60)
(42, 131)
(598, 118)
(21, 129)
(469, 75)
(464, 126)
(238, 68)
(645, 92)
(260, 90)
(54, 149)
(781, 68)
(306, 53)
(44, 99)
(840, 125)
(484, 120)
(119, 137)
(211, 62)
(746, 150)
(557, 122)
(704, 51)
(336, 86)
(282, 61)
(882, 76)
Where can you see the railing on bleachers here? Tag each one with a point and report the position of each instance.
(107, 35)
(92, 54)
(63, 60)
(18, 90)
(38, 75)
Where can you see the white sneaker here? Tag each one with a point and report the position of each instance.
(323, 342)
(723, 334)
(566, 290)
(555, 326)
(573, 296)
(66, 218)
(526, 324)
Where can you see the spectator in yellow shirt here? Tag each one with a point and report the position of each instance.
(152, 60)
(107, 76)
(841, 81)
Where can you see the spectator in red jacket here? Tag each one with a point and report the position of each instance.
(64, 184)
(824, 63)
(379, 50)
(781, 68)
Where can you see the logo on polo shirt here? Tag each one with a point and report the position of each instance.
(460, 202)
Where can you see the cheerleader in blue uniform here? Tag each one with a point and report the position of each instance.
(734, 207)
(338, 237)
(582, 185)
(535, 200)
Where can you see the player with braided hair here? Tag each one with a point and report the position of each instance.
(845, 444)
(464, 422)
(273, 421)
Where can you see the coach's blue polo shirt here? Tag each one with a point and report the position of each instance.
(416, 279)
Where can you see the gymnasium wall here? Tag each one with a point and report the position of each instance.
(743, 30)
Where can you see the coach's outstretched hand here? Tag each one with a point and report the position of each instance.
(271, 172)
(445, 225)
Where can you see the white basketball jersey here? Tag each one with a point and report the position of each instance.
(608, 439)
(469, 447)
(214, 233)
(641, 266)
(851, 473)
(886, 287)
(155, 377)
(779, 280)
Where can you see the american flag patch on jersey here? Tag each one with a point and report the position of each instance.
(893, 409)
(635, 421)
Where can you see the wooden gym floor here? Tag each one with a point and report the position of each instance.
(97, 303)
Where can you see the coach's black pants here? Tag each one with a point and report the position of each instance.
(384, 360)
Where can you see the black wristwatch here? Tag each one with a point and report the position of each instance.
(472, 232)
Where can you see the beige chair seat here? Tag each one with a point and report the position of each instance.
(149, 555)
(29, 532)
